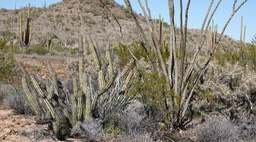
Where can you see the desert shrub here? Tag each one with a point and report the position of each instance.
(4, 9)
(165, 24)
(113, 103)
(73, 51)
(119, 16)
(70, 7)
(95, 12)
(59, 16)
(217, 129)
(16, 100)
(128, 122)
(110, 109)
(67, 29)
(112, 129)
(37, 48)
(223, 55)
(153, 93)
(128, 15)
(91, 130)
(245, 55)
(148, 86)
(233, 89)
(122, 51)
(3, 91)
(249, 59)
(16, 49)
(7, 35)
(7, 61)
(247, 128)
(135, 138)
(91, 22)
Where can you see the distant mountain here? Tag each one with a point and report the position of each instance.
(66, 21)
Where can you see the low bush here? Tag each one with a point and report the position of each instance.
(36, 49)
(7, 61)
(247, 128)
(91, 130)
(7, 35)
(135, 138)
(131, 120)
(3, 89)
(217, 129)
(16, 100)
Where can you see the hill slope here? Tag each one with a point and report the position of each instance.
(68, 20)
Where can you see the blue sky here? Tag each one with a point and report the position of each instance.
(197, 11)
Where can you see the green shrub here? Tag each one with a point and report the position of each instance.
(4, 10)
(111, 129)
(91, 22)
(127, 13)
(95, 12)
(7, 61)
(246, 56)
(37, 48)
(73, 51)
(16, 49)
(119, 17)
(154, 93)
(7, 35)
(122, 51)
(67, 29)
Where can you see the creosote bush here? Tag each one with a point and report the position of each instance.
(153, 92)
(7, 61)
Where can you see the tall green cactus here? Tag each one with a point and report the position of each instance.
(25, 36)
(42, 95)
(110, 64)
(97, 62)
(82, 102)
(32, 100)
(74, 106)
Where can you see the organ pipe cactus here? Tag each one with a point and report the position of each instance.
(25, 36)
(31, 98)
(66, 110)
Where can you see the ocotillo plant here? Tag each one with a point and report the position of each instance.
(25, 35)
(242, 38)
(180, 71)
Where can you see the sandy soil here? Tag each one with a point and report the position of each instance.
(37, 64)
(20, 128)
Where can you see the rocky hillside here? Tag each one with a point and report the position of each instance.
(68, 20)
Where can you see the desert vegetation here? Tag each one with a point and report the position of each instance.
(167, 84)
